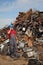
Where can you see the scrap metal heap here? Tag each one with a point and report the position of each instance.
(29, 27)
(3, 34)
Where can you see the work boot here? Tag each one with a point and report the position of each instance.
(12, 56)
(17, 55)
(15, 58)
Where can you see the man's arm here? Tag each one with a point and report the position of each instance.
(9, 31)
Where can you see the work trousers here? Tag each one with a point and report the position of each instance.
(13, 45)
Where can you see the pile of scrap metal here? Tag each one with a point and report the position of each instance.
(29, 27)
(3, 40)
(3, 34)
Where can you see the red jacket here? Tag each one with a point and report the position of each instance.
(11, 32)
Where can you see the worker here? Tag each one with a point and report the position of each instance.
(13, 45)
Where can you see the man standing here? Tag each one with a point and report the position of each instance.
(13, 44)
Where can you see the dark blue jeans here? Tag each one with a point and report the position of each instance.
(13, 46)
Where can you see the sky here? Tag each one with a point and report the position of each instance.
(9, 9)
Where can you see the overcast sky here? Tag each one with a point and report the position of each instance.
(9, 9)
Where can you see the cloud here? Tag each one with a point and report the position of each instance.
(5, 21)
(13, 5)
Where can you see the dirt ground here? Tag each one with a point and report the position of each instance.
(7, 60)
